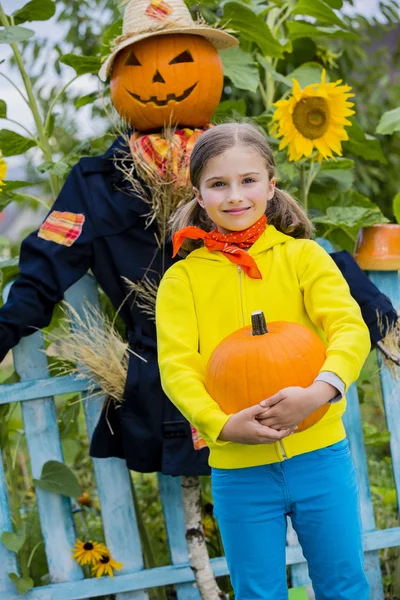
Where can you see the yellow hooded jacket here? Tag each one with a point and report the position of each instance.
(206, 297)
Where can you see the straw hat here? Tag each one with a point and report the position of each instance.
(146, 18)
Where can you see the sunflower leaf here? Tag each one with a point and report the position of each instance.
(389, 123)
(362, 144)
(35, 10)
(12, 143)
(9, 35)
(307, 74)
(251, 27)
(320, 10)
(82, 64)
(240, 69)
(56, 477)
(298, 29)
(350, 216)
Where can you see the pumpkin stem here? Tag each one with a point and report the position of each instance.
(259, 326)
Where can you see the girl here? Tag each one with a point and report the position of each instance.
(255, 254)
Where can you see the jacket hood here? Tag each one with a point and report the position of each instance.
(270, 238)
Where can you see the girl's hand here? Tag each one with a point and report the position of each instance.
(244, 428)
(291, 405)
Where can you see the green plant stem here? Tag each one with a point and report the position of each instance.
(15, 509)
(24, 128)
(263, 93)
(55, 182)
(303, 187)
(16, 87)
(36, 199)
(53, 103)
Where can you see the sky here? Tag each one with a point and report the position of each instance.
(16, 107)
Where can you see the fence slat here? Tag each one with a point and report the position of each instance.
(171, 498)
(43, 439)
(389, 283)
(43, 388)
(8, 559)
(352, 423)
(112, 476)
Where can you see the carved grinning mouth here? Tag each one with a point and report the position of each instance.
(153, 99)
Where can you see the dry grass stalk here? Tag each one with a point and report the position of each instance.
(145, 294)
(90, 346)
(390, 348)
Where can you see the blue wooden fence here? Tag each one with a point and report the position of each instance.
(35, 391)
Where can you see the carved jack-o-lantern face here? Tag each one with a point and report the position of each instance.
(167, 80)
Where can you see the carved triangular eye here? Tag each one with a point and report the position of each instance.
(182, 57)
(132, 60)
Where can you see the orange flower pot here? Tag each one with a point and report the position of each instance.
(378, 247)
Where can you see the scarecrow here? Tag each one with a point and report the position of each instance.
(111, 218)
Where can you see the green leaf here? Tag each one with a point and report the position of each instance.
(362, 144)
(351, 216)
(3, 109)
(230, 108)
(390, 122)
(342, 179)
(277, 76)
(307, 74)
(82, 64)
(338, 4)
(13, 541)
(56, 477)
(319, 10)
(251, 27)
(396, 207)
(23, 584)
(239, 68)
(12, 143)
(297, 29)
(84, 100)
(9, 35)
(338, 163)
(15, 185)
(109, 35)
(60, 168)
(36, 10)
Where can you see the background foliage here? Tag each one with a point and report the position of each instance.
(279, 40)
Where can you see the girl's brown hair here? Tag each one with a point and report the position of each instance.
(282, 210)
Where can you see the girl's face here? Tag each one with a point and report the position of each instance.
(235, 188)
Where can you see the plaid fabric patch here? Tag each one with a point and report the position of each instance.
(159, 10)
(198, 442)
(63, 228)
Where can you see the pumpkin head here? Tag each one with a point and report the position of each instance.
(167, 80)
(254, 363)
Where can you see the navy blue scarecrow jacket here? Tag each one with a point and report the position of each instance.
(97, 223)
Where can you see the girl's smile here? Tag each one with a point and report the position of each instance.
(235, 188)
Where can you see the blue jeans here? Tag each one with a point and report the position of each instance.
(319, 491)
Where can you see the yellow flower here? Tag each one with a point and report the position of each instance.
(88, 553)
(3, 170)
(106, 565)
(313, 119)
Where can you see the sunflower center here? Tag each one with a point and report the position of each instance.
(311, 117)
(88, 546)
(105, 559)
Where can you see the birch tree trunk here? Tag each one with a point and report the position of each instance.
(198, 554)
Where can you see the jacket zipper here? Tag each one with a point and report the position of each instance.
(241, 292)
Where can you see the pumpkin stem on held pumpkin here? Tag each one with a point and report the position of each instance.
(259, 326)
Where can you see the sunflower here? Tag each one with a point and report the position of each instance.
(313, 119)
(3, 170)
(106, 566)
(88, 553)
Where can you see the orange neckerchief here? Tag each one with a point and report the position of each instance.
(231, 244)
(167, 155)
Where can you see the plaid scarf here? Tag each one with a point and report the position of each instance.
(167, 157)
(232, 245)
